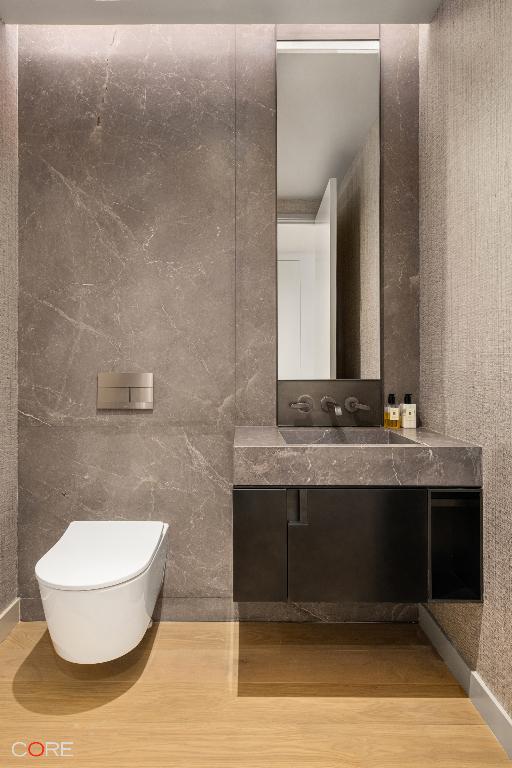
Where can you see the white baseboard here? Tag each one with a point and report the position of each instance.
(482, 697)
(9, 618)
(498, 720)
(445, 649)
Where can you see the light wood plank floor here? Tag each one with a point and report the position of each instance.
(212, 695)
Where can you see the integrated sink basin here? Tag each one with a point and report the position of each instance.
(342, 436)
(351, 456)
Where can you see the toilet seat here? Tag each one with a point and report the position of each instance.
(97, 554)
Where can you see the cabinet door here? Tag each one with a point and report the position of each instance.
(359, 545)
(259, 545)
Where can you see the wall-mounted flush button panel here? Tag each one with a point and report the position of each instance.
(126, 391)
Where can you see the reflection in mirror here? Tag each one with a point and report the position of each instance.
(328, 179)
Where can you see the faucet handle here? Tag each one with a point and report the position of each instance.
(352, 405)
(304, 404)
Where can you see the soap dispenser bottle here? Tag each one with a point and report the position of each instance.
(408, 413)
(391, 413)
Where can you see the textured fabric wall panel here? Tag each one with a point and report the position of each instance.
(466, 290)
(8, 311)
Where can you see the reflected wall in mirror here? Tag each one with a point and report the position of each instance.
(328, 184)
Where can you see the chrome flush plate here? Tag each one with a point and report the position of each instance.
(125, 391)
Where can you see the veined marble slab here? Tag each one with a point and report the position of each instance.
(262, 457)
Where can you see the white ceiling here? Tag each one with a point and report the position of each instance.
(217, 11)
(326, 104)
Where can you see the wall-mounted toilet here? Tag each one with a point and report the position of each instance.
(99, 586)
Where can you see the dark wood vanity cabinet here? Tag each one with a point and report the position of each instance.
(259, 545)
(356, 544)
(366, 545)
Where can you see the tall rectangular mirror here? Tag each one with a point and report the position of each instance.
(328, 183)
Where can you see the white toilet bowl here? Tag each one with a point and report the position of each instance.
(99, 586)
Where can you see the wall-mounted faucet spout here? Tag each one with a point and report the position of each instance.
(329, 404)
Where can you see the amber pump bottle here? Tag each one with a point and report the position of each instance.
(392, 413)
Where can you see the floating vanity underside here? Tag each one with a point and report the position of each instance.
(369, 522)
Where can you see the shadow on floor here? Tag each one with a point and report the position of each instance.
(46, 684)
(341, 660)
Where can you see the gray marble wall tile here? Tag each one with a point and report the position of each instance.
(222, 609)
(256, 259)
(141, 177)
(214, 609)
(144, 472)
(8, 311)
(127, 262)
(127, 228)
(326, 612)
(399, 208)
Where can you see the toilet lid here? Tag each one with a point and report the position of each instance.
(96, 554)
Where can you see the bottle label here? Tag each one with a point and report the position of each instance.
(409, 417)
(393, 413)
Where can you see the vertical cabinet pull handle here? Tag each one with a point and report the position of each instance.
(297, 506)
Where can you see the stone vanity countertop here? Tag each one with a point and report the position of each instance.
(263, 457)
